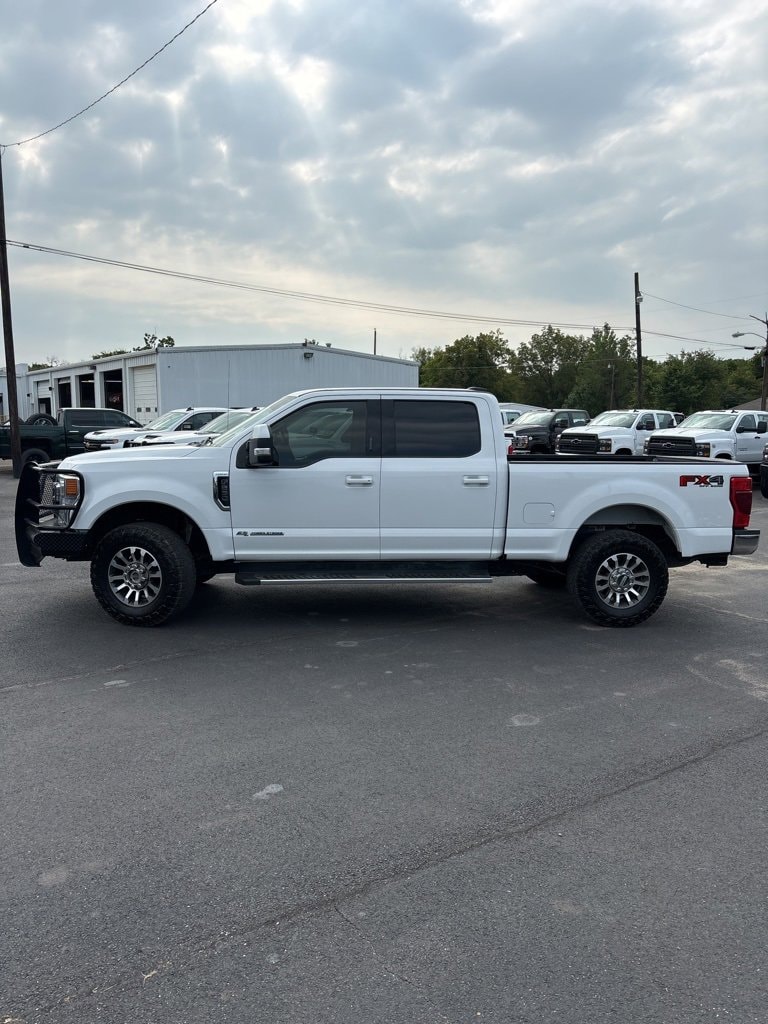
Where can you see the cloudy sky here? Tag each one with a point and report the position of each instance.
(493, 158)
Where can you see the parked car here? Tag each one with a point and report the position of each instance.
(227, 420)
(177, 419)
(615, 432)
(764, 473)
(539, 431)
(738, 434)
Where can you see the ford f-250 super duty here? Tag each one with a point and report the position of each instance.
(380, 485)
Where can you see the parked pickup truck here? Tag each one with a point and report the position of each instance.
(717, 434)
(417, 486)
(56, 439)
(616, 432)
(539, 431)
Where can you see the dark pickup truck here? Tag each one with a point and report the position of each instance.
(537, 432)
(47, 439)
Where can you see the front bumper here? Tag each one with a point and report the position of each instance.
(35, 541)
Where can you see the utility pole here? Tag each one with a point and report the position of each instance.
(741, 334)
(374, 341)
(764, 391)
(639, 342)
(10, 359)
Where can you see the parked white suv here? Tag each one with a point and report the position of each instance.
(177, 419)
(738, 434)
(615, 432)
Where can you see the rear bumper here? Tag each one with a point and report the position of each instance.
(745, 542)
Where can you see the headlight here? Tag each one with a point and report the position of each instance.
(645, 446)
(65, 498)
(605, 446)
(704, 449)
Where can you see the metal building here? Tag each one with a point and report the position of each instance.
(146, 384)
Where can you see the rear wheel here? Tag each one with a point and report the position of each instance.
(618, 578)
(143, 574)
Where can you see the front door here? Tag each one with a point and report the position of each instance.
(321, 500)
(438, 479)
(749, 444)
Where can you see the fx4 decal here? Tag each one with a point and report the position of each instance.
(702, 481)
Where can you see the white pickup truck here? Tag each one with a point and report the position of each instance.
(416, 487)
(715, 434)
(615, 432)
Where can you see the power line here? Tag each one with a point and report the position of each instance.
(114, 88)
(378, 307)
(332, 300)
(728, 316)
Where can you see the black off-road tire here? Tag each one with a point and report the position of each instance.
(764, 482)
(40, 418)
(618, 578)
(143, 574)
(36, 456)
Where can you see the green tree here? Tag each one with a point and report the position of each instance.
(548, 366)
(151, 341)
(692, 381)
(481, 361)
(607, 373)
(114, 352)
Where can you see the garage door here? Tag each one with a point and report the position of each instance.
(144, 393)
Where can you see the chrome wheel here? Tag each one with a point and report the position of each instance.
(134, 576)
(622, 580)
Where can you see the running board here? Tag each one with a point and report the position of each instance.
(271, 573)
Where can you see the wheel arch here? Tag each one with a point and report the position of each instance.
(152, 512)
(641, 519)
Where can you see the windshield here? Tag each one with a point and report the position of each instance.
(533, 419)
(233, 418)
(222, 440)
(614, 419)
(165, 422)
(713, 420)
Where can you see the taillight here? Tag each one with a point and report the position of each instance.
(741, 501)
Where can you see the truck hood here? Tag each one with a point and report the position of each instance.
(122, 456)
(702, 434)
(601, 431)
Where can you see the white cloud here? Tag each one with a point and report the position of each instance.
(488, 156)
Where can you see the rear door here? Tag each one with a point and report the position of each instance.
(439, 479)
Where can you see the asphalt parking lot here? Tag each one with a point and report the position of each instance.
(456, 803)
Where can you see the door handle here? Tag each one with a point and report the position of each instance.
(476, 481)
(359, 481)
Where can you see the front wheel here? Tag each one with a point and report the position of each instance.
(618, 578)
(34, 457)
(142, 574)
(764, 482)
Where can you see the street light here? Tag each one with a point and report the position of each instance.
(741, 334)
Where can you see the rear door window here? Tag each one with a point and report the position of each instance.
(431, 430)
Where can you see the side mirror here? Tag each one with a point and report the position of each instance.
(260, 450)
